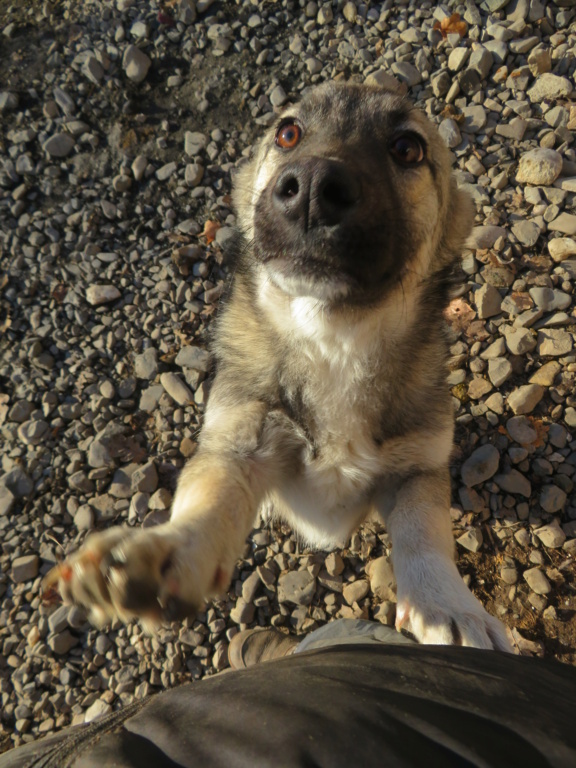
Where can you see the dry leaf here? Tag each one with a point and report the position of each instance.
(541, 431)
(459, 314)
(59, 292)
(451, 25)
(166, 19)
(210, 229)
(452, 113)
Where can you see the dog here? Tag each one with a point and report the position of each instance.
(329, 400)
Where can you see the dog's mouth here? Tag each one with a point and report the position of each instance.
(299, 276)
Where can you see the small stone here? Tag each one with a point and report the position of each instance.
(193, 174)
(58, 620)
(537, 581)
(554, 343)
(59, 145)
(539, 166)
(194, 143)
(146, 364)
(481, 60)
(475, 119)
(135, 63)
(164, 173)
(32, 432)
(251, 586)
(549, 86)
(325, 15)
(145, 478)
(97, 710)
(139, 167)
(84, 518)
(350, 13)
(92, 69)
(521, 430)
(383, 79)
(334, 564)
(314, 66)
(524, 399)
(548, 299)
(355, 591)
(121, 486)
(526, 232)
(382, 579)
(243, 612)
(514, 481)
(278, 97)
(561, 247)
(25, 568)
(296, 587)
(450, 133)
(194, 357)
(519, 340)
(121, 183)
(7, 500)
(539, 61)
(471, 540)
(552, 499)
(478, 387)
(488, 301)
(514, 130)
(176, 388)
(509, 574)
(161, 500)
(499, 370)
(484, 237)
(150, 398)
(102, 294)
(8, 101)
(551, 535)
(564, 223)
(481, 465)
(457, 58)
(406, 73)
(138, 506)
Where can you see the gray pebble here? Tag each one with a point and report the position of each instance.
(552, 498)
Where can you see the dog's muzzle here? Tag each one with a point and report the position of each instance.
(315, 192)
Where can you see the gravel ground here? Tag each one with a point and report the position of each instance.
(120, 125)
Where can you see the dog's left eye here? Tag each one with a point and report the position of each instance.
(288, 135)
(408, 149)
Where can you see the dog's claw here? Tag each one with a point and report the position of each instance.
(402, 614)
(128, 574)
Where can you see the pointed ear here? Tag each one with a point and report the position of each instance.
(458, 224)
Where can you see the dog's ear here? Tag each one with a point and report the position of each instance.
(459, 220)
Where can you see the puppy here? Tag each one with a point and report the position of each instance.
(329, 399)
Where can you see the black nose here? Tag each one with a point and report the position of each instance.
(316, 192)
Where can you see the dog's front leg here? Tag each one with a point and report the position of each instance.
(433, 601)
(165, 572)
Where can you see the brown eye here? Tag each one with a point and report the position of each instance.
(408, 149)
(288, 135)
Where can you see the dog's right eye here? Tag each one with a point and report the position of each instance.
(408, 149)
(288, 135)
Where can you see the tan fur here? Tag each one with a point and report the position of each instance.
(329, 400)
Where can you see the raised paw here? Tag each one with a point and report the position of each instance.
(154, 575)
(449, 614)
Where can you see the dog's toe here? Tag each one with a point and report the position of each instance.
(128, 574)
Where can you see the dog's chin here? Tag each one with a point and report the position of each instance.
(325, 288)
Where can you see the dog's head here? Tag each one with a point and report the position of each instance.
(347, 193)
